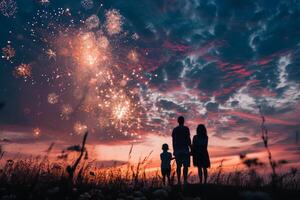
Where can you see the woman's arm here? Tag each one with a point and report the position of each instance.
(206, 142)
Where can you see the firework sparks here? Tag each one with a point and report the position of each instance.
(87, 4)
(37, 132)
(102, 89)
(80, 128)
(103, 42)
(66, 111)
(44, 2)
(121, 110)
(135, 36)
(51, 54)
(23, 70)
(92, 22)
(133, 56)
(8, 52)
(8, 8)
(87, 51)
(53, 98)
(113, 22)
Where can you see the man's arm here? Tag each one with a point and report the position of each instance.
(189, 138)
(173, 139)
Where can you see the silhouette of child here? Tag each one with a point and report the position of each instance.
(166, 158)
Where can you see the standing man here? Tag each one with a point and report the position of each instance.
(181, 147)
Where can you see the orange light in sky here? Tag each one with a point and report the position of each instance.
(36, 132)
(121, 109)
(88, 51)
(23, 70)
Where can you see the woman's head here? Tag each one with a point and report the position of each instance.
(201, 130)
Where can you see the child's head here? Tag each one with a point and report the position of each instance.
(165, 147)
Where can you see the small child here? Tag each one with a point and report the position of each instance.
(165, 158)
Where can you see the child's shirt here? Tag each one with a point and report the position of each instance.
(165, 158)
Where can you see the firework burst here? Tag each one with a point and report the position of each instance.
(133, 56)
(44, 2)
(66, 111)
(80, 128)
(90, 72)
(87, 4)
(8, 52)
(92, 22)
(37, 132)
(113, 22)
(23, 70)
(86, 50)
(51, 54)
(53, 98)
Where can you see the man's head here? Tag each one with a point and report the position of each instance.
(180, 120)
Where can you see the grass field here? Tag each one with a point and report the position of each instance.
(39, 178)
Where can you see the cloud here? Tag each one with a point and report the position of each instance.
(243, 139)
(283, 62)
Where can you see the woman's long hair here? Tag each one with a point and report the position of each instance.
(201, 131)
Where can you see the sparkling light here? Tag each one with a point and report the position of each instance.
(44, 2)
(133, 56)
(113, 22)
(87, 50)
(8, 52)
(66, 111)
(90, 72)
(92, 22)
(23, 70)
(51, 54)
(37, 132)
(53, 98)
(87, 4)
(80, 128)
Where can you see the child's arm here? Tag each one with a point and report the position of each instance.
(172, 157)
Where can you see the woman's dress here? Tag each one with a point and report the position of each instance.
(200, 153)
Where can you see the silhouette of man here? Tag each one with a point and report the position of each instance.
(181, 147)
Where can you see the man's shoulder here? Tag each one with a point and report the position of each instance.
(180, 129)
(175, 130)
(185, 128)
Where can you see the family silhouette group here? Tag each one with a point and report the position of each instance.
(183, 149)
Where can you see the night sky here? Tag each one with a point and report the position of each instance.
(125, 70)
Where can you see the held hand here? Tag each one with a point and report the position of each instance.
(191, 152)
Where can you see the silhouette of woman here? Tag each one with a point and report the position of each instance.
(200, 153)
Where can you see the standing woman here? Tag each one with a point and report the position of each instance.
(200, 153)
